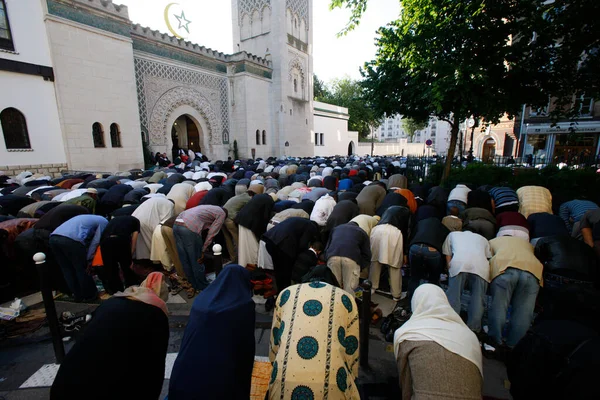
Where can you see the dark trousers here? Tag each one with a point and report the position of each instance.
(71, 256)
(425, 264)
(189, 247)
(282, 264)
(42, 244)
(116, 252)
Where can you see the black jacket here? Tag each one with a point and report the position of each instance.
(293, 235)
(568, 257)
(350, 241)
(256, 214)
(304, 263)
(431, 232)
(342, 213)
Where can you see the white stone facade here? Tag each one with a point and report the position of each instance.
(32, 95)
(118, 85)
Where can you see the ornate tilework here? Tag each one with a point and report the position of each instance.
(155, 79)
(299, 7)
(248, 6)
(87, 18)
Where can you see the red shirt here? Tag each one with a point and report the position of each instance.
(195, 199)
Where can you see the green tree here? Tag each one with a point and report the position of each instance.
(349, 93)
(320, 90)
(479, 58)
(410, 126)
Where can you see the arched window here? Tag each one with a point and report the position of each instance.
(264, 136)
(98, 134)
(115, 135)
(14, 127)
(257, 137)
(295, 85)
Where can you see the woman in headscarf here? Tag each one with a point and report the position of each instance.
(216, 357)
(438, 356)
(151, 213)
(180, 193)
(122, 352)
(387, 247)
(252, 221)
(318, 324)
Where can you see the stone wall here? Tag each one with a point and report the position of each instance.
(53, 170)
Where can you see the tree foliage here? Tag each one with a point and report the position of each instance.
(479, 58)
(410, 126)
(349, 93)
(320, 90)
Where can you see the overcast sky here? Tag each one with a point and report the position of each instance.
(333, 57)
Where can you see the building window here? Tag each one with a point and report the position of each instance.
(14, 127)
(295, 85)
(316, 139)
(115, 135)
(540, 111)
(322, 139)
(98, 134)
(6, 41)
(585, 105)
(258, 137)
(264, 137)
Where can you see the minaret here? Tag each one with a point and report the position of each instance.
(281, 30)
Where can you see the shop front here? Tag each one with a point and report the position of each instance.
(569, 143)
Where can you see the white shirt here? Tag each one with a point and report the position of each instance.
(460, 192)
(470, 253)
(322, 210)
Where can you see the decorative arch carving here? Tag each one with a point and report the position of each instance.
(296, 64)
(174, 98)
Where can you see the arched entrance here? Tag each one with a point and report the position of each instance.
(489, 150)
(186, 134)
(351, 148)
(191, 104)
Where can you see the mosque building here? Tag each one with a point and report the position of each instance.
(83, 88)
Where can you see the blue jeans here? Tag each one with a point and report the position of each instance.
(189, 248)
(424, 264)
(479, 286)
(519, 288)
(456, 203)
(71, 256)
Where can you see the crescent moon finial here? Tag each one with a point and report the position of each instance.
(169, 26)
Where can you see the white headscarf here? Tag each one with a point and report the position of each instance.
(433, 319)
(152, 212)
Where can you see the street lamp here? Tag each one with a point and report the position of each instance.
(471, 124)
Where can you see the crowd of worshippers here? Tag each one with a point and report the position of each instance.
(306, 232)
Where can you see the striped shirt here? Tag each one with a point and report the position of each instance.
(200, 218)
(572, 211)
(504, 196)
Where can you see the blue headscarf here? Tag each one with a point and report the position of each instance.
(217, 352)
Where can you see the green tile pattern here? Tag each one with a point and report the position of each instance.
(106, 24)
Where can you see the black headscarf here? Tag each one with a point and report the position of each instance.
(255, 215)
